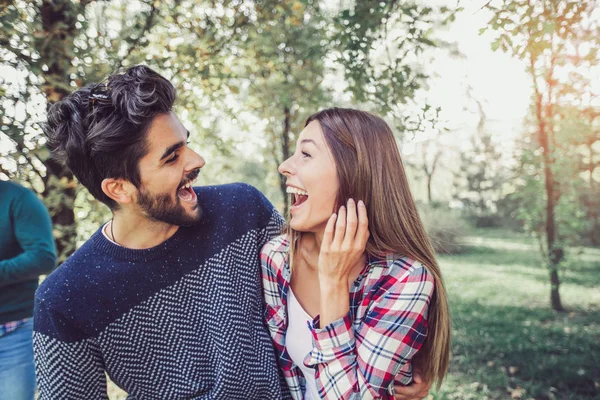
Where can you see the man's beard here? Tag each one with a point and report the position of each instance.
(160, 207)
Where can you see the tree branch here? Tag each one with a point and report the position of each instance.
(145, 29)
(5, 43)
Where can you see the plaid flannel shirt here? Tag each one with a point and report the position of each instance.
(360, 355)
(11, 326)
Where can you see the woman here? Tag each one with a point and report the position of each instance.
(349, 309)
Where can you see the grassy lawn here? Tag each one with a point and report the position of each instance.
(507, 343)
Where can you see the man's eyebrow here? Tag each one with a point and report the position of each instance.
(174, 148)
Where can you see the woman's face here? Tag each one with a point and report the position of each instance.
(312, 180)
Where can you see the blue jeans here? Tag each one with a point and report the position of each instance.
(17, 373)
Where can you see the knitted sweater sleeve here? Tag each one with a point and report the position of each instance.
(65, 368)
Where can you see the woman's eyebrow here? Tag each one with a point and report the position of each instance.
(309, 141)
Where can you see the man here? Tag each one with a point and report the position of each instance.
(26, 252)
(166, 297)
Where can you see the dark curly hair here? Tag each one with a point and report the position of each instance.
(99, 131)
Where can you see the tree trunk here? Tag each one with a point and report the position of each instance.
(555, 254)
(285, 152)
(592, 199)
(56, 49)
(429, 179)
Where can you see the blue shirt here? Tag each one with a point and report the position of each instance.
(26, 250)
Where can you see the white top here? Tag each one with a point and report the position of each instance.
(299, 342)
(105, 233)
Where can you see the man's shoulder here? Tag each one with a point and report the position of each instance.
(65, 281)
(229, 192)
(234, 199)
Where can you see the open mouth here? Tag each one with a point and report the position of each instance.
(299, 196)
(186, 193)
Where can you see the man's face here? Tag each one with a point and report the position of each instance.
(167, 173)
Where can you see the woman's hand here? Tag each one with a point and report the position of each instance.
(417, 390)
(343, 244)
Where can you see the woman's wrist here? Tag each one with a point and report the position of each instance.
(335, 302)
(329, 285)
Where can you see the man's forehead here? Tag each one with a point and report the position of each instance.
(165, 130)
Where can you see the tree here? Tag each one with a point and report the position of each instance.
(53, 47)
(480, 178)
(373, 43)
(285, 59)
(381, 45)
(546, 35)
(37, 40)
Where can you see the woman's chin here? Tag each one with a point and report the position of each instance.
(298, 227)
(301, 226)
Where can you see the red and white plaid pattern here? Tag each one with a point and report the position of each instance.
(11, 326)
(361, 355)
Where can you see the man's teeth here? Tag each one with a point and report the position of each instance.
(296, 191)
(186, 186)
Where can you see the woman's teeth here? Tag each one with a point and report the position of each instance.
(294, 190)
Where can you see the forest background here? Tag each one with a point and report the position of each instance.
(494, 105)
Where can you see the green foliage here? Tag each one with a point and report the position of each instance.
(379, 44)
(527, 202)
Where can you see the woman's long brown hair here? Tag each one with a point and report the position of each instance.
(370, 168)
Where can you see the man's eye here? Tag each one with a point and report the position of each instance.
(173, 159)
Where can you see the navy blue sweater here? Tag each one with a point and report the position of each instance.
(182, 320)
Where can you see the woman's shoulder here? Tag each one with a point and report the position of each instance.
(279, 244)
(274, 253)
(400, 269)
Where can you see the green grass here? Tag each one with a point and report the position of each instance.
(507, 343)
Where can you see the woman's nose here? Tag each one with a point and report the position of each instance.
(285, 167)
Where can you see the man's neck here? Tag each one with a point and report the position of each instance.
(138, 232)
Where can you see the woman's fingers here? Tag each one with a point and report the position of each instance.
(340, 227)
(351, 225)
(363, 224)
(328, 234)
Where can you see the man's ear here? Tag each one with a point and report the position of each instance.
(119, 190)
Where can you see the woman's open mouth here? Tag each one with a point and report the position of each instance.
(298, 197)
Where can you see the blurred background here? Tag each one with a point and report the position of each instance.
(495, 106)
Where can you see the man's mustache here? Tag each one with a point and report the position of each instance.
(191, 176)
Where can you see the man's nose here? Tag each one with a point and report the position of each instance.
(195, 161)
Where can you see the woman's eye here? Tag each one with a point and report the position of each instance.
(305, 154)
